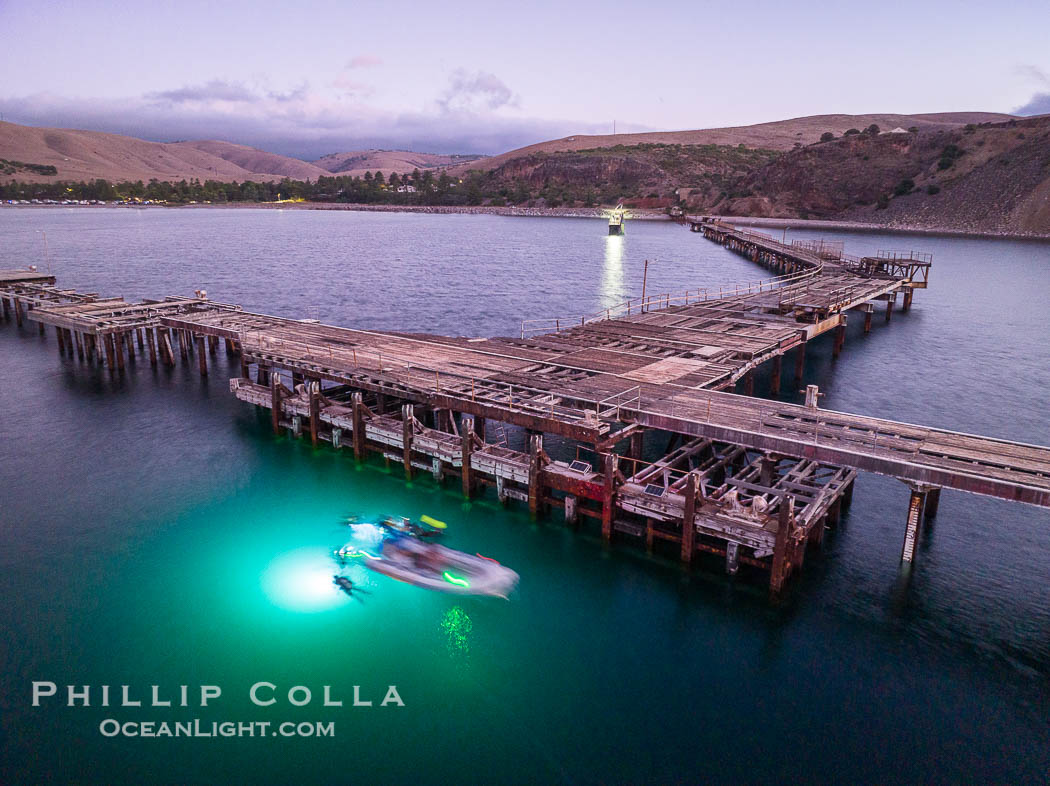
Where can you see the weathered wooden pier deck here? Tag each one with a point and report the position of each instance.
(752, 480)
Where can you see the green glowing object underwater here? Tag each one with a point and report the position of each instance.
(455, 580)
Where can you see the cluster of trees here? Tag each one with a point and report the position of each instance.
(8, 167)
(426, 189)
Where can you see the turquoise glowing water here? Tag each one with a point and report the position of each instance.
(155, 532)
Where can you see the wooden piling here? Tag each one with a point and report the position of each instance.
(151, 343)
(609, 496)
(213, 344)
(839, 340)
(800, 362)
(167, 353)
(889, 307)
(535, 475)
(933, 501)
(111, 351)
(61, 340)
(18, 312)
(774, 377)
(466, 429)
(637, 445)
(358, 414)
(275, 401)
(315, 408)
(689, 519)
(572, 513)
(781, 566)
(78, 341)
(138, 337)
(909, 293)
(913, 525)
(202, 359)
(407, 433)
(732, 557)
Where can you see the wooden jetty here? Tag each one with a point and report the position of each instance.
(751, 480)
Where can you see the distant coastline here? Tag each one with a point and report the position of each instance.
(636, 214)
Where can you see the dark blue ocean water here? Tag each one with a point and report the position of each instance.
(154, 532)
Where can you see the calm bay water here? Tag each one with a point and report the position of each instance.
(155, 532)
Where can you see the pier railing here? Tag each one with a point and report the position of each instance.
(640, 305)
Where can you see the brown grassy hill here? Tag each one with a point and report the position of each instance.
(87, 155)
(777, 135)
(987, 178)
(251, 159)
(357, 162)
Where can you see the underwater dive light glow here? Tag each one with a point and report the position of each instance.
(301, 580)
(455, 580)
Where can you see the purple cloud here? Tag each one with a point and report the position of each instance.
(469, 91)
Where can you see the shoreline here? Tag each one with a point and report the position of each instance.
(636, 214)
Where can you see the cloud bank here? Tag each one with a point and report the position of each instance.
(467, 117)
(1039, 103)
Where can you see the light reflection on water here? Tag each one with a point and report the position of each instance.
(613, 287)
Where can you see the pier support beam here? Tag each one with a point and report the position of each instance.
(151, 343)
(774, 377)
(407, 432)
(79, 342)
(536, 491)
(572, 512)
(868, 311)
(466, 429)
(202, 359)
(315, 408)
(800, 362)
(909, 293)
(7, 309)
(749, 383)
(608, 496)
(18, 312)
(61, 341)
(275, 402)
(182, 345)
(689, 520)
(933, 501)
(358, 404)
(166, 352)
(637, 444)
(781, 566)
(914, 523)
(118, 349)
(840, 339)
(732, 558)
(889, 307)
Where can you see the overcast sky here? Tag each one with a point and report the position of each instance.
(308, 77)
